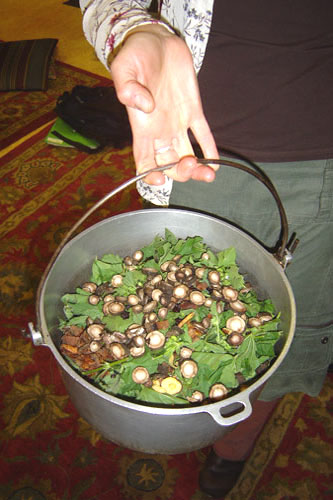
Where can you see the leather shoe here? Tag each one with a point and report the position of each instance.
(218, 475)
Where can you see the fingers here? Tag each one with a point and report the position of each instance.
(204, 136)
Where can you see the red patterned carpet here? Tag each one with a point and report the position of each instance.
(48, 451)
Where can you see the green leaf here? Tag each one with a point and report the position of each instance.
(104, 271)
(148, 395)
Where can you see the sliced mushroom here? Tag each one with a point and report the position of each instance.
(89, 286)
(229, 294)
(140, 375)
(133, 300)
(180, 291)
(114, 308)
(214, 277)
(137, 255)
(189, 368)
(95, 331)
(93, 299)
(236, 324)
(197, 397)
(117, 280)
(117, 350)
(238, 306)
(254, 322)
(136, 352)
(235, 339)
(197, 298)
(217, 392)
(155, 339)
(185, 352)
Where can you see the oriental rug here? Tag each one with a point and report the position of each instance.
(48, 452)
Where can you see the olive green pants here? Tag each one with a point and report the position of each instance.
(306, 192)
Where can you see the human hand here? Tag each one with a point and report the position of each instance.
(154, 78)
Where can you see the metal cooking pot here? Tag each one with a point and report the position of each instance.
(141, 427)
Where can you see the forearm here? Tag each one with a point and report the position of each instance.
(106, 23)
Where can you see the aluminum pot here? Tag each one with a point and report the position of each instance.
(140, 427)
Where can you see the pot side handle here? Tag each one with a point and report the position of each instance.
(234, 417)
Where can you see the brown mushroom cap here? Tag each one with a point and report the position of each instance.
(155, 339)
(95, 331)
(229, 294)
(118, 350)
(117, 280)
(197, 298)
(236, 324)
(89, 286)
(217, 392)
(140, 375)
(189, 368)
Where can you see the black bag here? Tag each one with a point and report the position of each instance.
(96, 113)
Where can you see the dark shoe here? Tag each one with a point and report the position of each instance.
(219, 476)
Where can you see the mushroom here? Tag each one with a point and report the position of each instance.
(185, 352)
(180, 291)
(197, 397)
(133, 300)
(137, 255)
(189, 368)
(117, 280)
(136, 352)
(114, 308)
(95, 331)
(236, 324)
(264, 317)
(214, 277)
(140, 375)
(108, 298)
(156, 294)
(238, 306)
(229, 293)
(217, 392)
(155, 339)
(93, 299)
(235, 339)
(200, 272)
(89, 287)
(94, 346)
(254, 322)
(117, 350)
(197, 298)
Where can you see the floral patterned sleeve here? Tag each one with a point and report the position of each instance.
(107, 22)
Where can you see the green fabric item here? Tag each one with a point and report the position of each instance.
(24, 65)
(306, 191)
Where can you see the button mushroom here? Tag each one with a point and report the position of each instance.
(217, 392)
(197, 397)
(229, 294)
(117, 280)
(155, 339)
(236, 324)
(95, 331)
(189, 368)
(117, 350)
(140, 375)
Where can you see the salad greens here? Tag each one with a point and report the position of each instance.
(217, 359)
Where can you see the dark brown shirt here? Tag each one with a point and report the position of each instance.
(267, 78)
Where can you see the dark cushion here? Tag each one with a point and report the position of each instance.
(24, 64)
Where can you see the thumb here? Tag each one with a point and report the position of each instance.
(134, 95)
